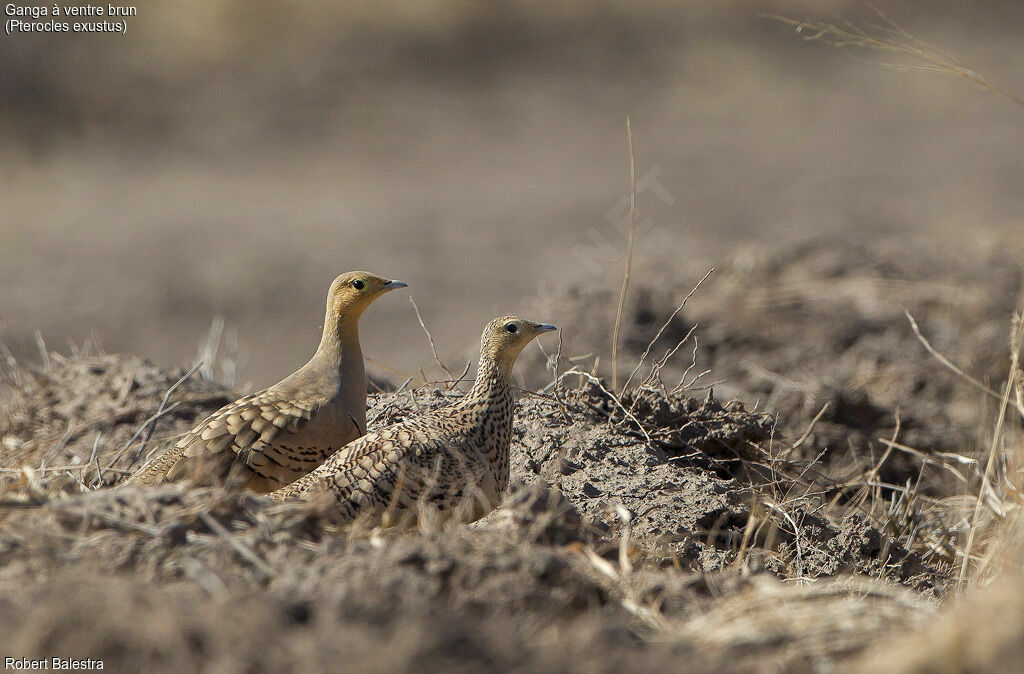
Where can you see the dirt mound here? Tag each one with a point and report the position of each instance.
(689, 506)
(818, 334)
(57, 413)
(629, 517)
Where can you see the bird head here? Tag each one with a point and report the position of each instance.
(504, 338)
(353, 291)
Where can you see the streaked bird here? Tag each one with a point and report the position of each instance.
(268, 439)
(453, 461)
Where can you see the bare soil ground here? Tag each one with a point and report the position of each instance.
(680, 530)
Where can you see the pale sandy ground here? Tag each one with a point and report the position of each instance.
(474, 183)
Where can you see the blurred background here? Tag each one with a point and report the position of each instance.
(228, 158)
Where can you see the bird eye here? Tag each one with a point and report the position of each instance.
(512, 327)
(358, 285)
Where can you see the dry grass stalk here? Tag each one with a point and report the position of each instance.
(407, 377)
(629, 258)
(1016, 339)
(150, 424)
(668, 321)
(887, 37)
(241, 548)
(211, 355)
(980, 632)
(209, 348)
(615, 399)
(952, 366)
(430, 339)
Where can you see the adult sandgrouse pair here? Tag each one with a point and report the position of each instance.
(298, 438)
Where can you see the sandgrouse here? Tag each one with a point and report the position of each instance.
(268, 439)
(456, 457)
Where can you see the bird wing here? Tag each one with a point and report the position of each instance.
(248, 432)
(399, 463)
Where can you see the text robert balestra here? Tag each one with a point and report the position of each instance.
(56, 664)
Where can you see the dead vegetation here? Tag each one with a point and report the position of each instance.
(646, 530)
(880, 36)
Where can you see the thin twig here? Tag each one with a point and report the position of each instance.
(665, 325)
(629, 258)
(948, 363)
(247, 553)
(58, 469)
(810, 427)
(44, 353)
(693, 364)
(555, 378)
(986, 477)
(430, 339)
(94, 458)
(618, 403)
(892, 39)
(796, 539)
(152, 420)
(163, 403)
(626, 517)
(462, 377)
(391, 369)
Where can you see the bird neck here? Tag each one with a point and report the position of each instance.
(490, 405)
(339, 345)
(493, 380)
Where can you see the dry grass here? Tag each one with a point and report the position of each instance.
(983, 631)
(627, 271)
(225, 541)
(886, 37)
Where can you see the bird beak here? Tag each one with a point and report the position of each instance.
(392, 285)
(544, 327)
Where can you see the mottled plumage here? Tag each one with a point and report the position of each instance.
(454, 457)
(268, 439)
